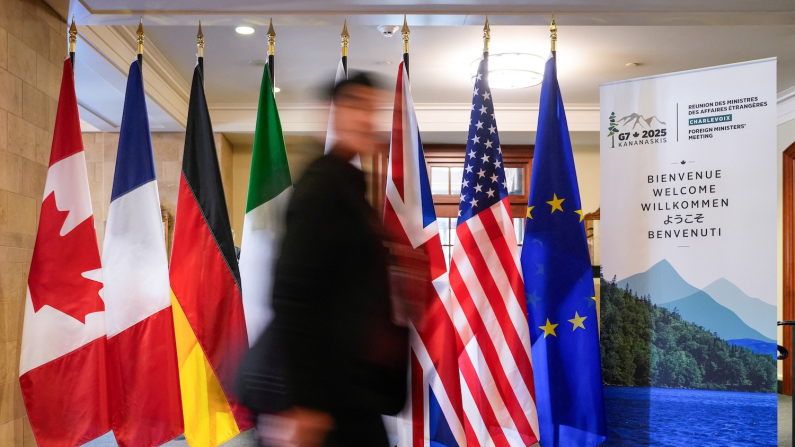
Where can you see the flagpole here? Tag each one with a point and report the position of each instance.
(200, 45)
(486, 39)
(72, 41)
(140, 34)
(486, 36)
(344, 36)
(405, 31)
(271, 48)
(553, 34)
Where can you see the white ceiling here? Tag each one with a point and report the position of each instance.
(597, 38)
(306, 56)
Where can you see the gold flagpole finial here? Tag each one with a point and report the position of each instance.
(405, 31)
(72, 35)
(553, 33)
(344, 36)
(200, 40)
(486, 35)
(271, 39)
(140, 34)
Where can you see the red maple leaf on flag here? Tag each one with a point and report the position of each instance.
(56, 270)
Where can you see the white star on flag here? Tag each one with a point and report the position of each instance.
(465, 183)
(490, 192)
(479, 125)
(489, 143)
(468, 168)
(483, 110)
(478, 187)
(481, 173)
(497, 164)
(492, 129)
(463, 197)
(476, 139)
(486, 95)
(494, 178)
(485, 158)
(474, 203)
(475, 93)
(471, 155)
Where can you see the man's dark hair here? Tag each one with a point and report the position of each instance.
(359, 79)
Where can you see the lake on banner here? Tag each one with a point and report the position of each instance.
(686, 418)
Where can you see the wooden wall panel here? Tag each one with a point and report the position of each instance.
(789, 260)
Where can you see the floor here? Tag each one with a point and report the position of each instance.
(247, 439)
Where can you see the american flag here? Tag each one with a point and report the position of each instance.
(487, 292)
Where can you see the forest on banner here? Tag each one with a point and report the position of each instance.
(648, 345)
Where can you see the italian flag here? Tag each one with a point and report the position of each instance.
(269, 189)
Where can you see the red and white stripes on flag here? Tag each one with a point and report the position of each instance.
(487, 292)
(471, 370)
(489, 310)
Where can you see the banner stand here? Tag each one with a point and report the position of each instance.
(783, 354)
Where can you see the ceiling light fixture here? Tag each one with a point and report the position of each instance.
(276, 90)
(512, 70)
(244, 30)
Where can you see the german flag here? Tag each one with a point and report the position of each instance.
(205, 285)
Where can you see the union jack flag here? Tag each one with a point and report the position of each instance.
(471, 375)
(434, 411)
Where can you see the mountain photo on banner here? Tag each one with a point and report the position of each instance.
(720, 307)
(733, 346)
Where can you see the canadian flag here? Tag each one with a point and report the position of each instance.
(62, 364)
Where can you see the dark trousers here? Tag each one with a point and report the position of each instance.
(358, 429)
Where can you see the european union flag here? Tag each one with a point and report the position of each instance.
(561, 304)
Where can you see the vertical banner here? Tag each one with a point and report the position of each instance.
(688, 248)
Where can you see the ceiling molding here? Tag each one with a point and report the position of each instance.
(786, 106)
(375, 13)
(432, 117)
(162, 83)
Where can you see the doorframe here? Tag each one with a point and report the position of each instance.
(788, 255)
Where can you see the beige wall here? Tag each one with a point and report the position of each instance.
(586, 161)
(32, 50)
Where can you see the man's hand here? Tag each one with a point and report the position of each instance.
(296, 427)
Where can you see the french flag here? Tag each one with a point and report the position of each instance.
(143, 376)
(434, 414)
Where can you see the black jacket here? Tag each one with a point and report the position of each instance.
(332, 313)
